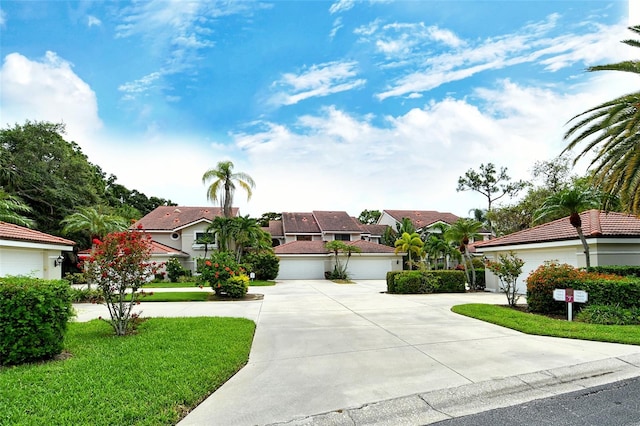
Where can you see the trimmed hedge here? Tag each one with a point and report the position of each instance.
(602, 289)
(425, 282)
(34, 315)
(624, 271)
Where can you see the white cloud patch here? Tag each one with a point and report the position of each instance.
(337, 25)
(133, 88)
(341, 6)
(47, 90)
(317, 80)
(92, 21)
(3, 18)
(530, 45)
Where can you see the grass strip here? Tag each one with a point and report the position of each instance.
(164, 284)
(544, 326)
(151, 378)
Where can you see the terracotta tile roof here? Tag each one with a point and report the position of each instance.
(168, 218)
(595, 223)
(275, 228)
(156, 249)
(333, 221)
(422, 218)
(299, 223)
(318, 247)
(9, 231)
(374, 230)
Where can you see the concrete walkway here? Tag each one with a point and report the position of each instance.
(334, 354)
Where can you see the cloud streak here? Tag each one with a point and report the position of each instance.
(316, 81)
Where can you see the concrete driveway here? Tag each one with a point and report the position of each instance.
(327, 353)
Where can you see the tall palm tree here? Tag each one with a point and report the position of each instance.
(462, 232)
(11, 209)
(93, 220)
(409, 243)
(224, 185)
(612, 130)
(571, 202)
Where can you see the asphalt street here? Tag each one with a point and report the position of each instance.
(614, 404)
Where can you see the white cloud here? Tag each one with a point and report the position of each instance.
(341, 6)
(92, 21)
(318, 80)
(528, 46)
(131, 89)
(337, 25)
(47, 90)
(3, 18)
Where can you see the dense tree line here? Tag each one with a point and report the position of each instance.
(55, 179)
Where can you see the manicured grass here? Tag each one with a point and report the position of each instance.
(545, 326)
(166, 284)
(177, 296)
(152, 378)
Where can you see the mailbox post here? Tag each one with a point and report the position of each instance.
(570, 295)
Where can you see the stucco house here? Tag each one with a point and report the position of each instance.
(299, 240)
(613, 238)
(28, 252)
(422, 220)
(175, 231)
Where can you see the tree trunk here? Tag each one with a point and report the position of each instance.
(473, 271)
(585, 245)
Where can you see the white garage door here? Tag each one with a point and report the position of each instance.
(301, 268)
(21, 262)
(369, 268)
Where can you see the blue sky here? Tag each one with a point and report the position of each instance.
(345, 105)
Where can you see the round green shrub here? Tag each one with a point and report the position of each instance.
(34, 315)
(265, 264)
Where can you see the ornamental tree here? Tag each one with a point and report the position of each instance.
(508, 268)
(119, 265)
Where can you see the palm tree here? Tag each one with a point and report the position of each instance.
(11, 208)
(409, 243)
(462, 232)
(246, 232)
(571, 201)
(337, 247)
(611, 130)
(223, 187)
(221, 229)
(94, 221)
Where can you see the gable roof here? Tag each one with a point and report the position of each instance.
(318, 247)
(156, 250)
(422, 218)
(373, 229)
(169, 218)
(274, 228)
(336, 221)
(299, 223)
(9, 231)
(595, 224)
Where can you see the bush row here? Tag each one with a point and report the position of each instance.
(602, 289)
(625, 271)
(33, 315)
(425, 282)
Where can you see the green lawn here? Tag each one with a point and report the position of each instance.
(152, 378)
(545, 326)
(165, 284)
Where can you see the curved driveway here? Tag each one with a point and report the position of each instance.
(329, 348)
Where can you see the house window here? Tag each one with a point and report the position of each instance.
(175, 236)
(201, 237)
(342, 237)
(303, 237)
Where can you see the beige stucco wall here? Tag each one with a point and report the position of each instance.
(602, 252)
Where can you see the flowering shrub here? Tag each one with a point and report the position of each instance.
(175, 270)
(119, 265)
(220, 272)
(552, 275)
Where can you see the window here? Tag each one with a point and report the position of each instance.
(303, 237)
(342, 237)
(202, 237)
(175, 236)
